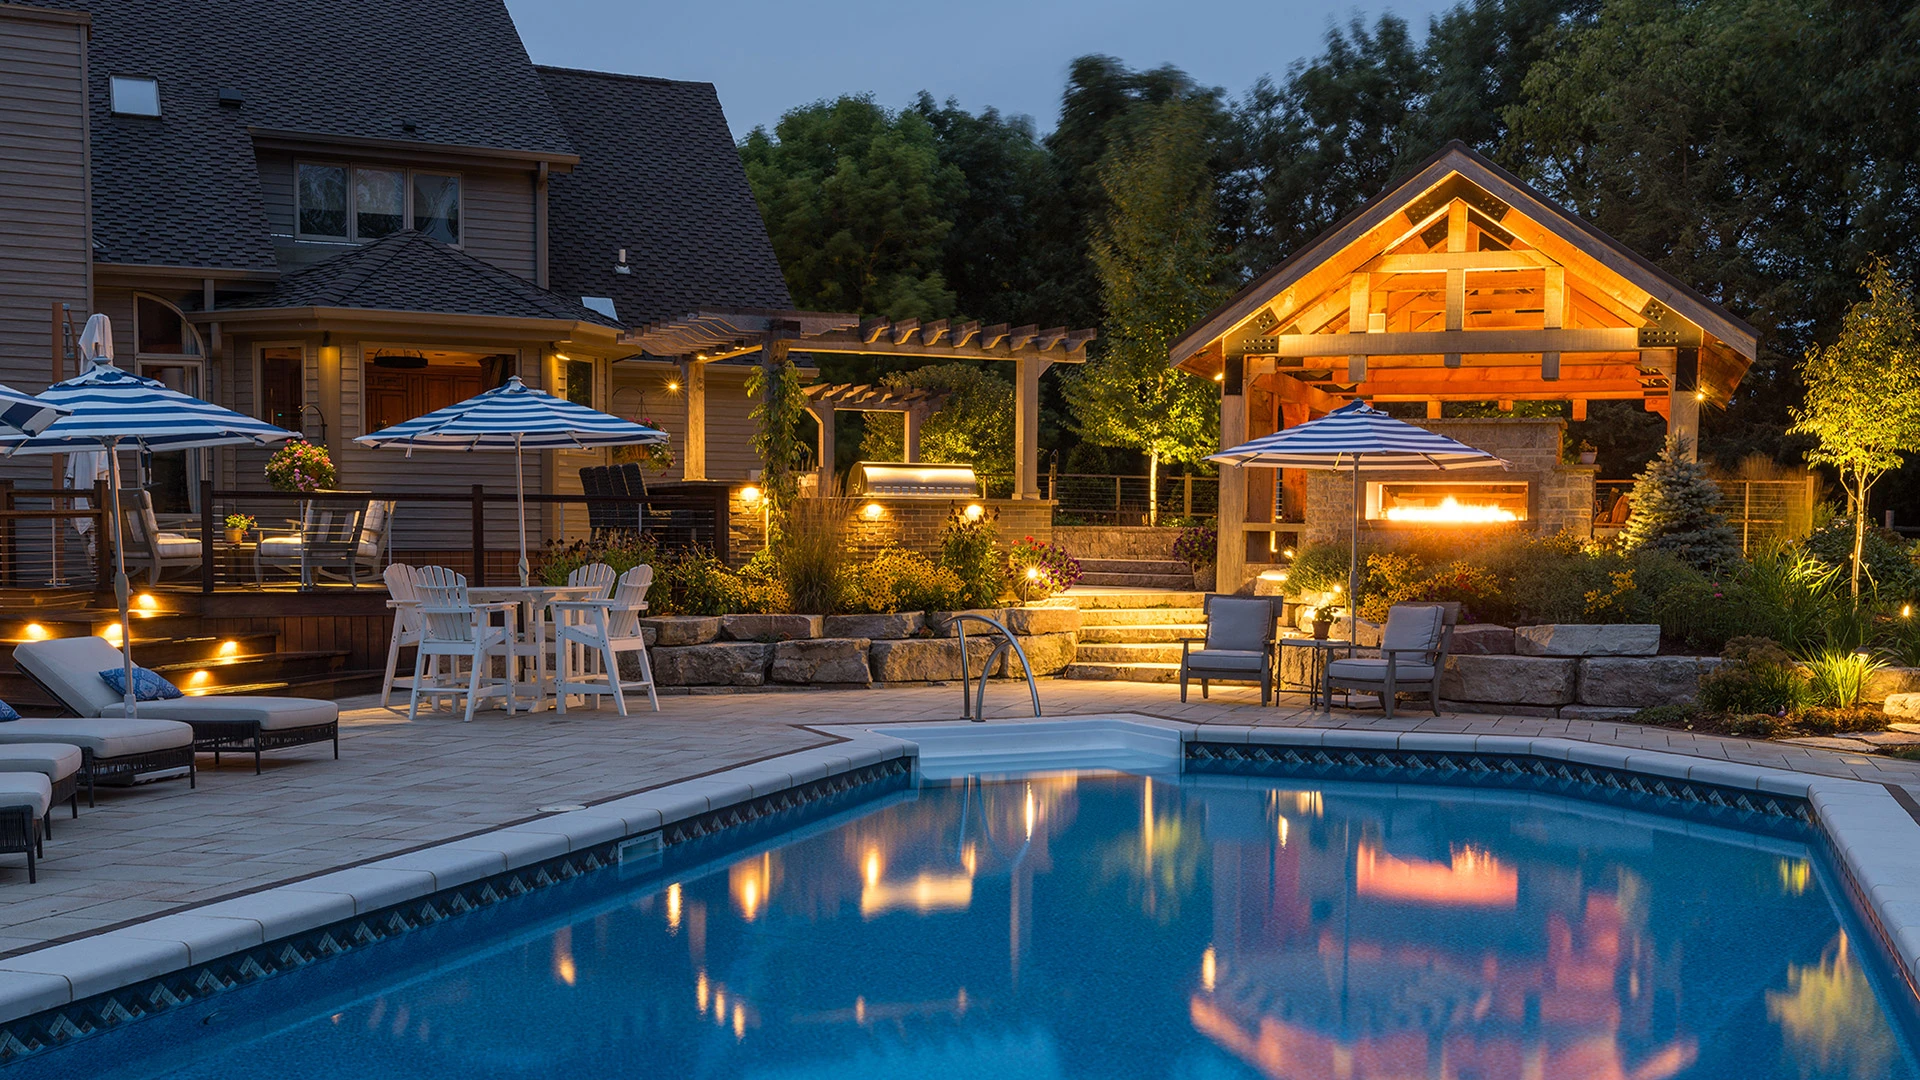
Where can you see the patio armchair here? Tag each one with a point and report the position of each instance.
(344, 542)
(452, 625)
(25, 801)
(595, 485)
(1238, 646)
(404, 599)
(602, 630)
(69, 670)
(147, 545)
(1413, 657)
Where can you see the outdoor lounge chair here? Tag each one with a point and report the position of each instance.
(69, 669)
(1413, 656)
(112, 749)
(1238, 646)
(59, 762)
(344, 542)
(25, 798)
(147, 546)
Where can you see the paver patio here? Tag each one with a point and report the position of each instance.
(159, 848)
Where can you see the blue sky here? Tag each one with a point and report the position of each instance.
(767, 56)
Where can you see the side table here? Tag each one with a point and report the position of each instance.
(1319, 651)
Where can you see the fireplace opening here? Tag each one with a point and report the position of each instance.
(1446, 502)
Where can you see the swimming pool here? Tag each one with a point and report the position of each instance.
(1104, 924)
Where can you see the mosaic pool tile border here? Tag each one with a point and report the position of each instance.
(60, 1027)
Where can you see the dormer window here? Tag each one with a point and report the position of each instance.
(357, 203)
(135, 95)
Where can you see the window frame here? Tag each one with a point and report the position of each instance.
(407, 174)
(113, 98)
(259, 378)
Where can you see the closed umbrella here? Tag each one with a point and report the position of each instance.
(514, 417)
(107, 408)
(1357, 438)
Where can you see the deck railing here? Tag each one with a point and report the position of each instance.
(1113, 499)
(40, 548)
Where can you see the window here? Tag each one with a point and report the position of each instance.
(360, 202)
(402, 383)
(168, 349)
(283, 385)
(436, 206)
(135, 95)
(580, 382)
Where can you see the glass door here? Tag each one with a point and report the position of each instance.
(173, 479)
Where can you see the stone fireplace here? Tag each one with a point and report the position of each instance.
(1537, 494)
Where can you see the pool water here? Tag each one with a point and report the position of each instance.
(1108, 925)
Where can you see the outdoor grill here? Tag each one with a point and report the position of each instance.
(915, 480)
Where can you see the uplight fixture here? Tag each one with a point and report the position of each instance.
(36, 632)
(1033, 573)
(1906, 612)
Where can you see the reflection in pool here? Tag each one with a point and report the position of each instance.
(1118, 926)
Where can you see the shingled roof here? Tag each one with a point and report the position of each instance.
(410, 271)
(658, 175)
(183, 189)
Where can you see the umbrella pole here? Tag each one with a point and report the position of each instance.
(520, 494)
(1353, 562)
(120, 579)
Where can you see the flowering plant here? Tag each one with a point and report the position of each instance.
(1042, 568)
(653, 457)
(240, 521)
(300, 466)
(1198, 545)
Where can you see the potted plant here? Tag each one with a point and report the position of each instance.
(300, 466)
(1199, 547)
(1323, 618)
(1589, 454)
(237, 526)
(653, 457)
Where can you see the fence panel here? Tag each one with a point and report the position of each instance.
(1110, 499)
(1760, 511)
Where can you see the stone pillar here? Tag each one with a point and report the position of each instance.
(693, 457)
(1231, 562)
(1026, 426)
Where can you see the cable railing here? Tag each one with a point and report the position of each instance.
(1115, 499)
(1761, 511)
(48, 540)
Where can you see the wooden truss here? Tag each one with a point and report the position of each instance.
(720, 334)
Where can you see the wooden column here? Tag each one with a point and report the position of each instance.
(913, 419)
(823, 416)
(693, 459)
(1231, 562)
(1683, 404)
(1026, 426)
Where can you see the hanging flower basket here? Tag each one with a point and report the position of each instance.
(653, 457)
(301, 466)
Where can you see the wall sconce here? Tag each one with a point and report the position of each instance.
(975, 511)
(750, 496)
(872, 511)
(673, 386)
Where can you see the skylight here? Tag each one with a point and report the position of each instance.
(601, 304)
(135, 95)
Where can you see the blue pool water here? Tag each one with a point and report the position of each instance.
(1104, 926)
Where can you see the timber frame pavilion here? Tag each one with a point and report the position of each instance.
(1459, 283)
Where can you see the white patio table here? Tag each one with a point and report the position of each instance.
(533, 601)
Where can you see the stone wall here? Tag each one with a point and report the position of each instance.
(914, 524)
(1116, 541)
(1560, 496)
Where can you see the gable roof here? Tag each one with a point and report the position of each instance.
(660, 176)
(410, 271)
(1456, 159)
(183, 189)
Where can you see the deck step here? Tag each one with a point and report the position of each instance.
(1101, 672)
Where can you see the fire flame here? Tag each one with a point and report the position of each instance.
(1451, 510)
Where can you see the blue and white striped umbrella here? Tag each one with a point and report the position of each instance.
(514, 417)
(24, 413)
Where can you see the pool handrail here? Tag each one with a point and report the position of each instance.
(977, 702)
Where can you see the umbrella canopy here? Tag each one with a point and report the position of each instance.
(1357, 438)
(26, 414)
(514, 417)
(107, 407)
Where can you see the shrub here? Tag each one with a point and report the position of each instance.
(1198, 545)
(1758, 677)
(896, 580)
(300, 466)
(759, 587)
(967, 549)
(693, 582)
(1791, 596)
(1055, 568)
(1676, 509)
(811, 549)
(1319, 568)
(1839, 677)
(621, 553)
(1399, 578)
(1886, 559)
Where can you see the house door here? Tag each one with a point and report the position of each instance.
(173, 479)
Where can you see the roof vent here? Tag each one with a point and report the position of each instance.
(621, 267)
(231, 97)
(409, 126)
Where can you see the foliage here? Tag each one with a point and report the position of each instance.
(1318, 568)
(776, 436)
(974, 425)
(621, 552)
(1757, 677)
(1790, 596)
(1839, 676)
(899, 580)
(693, 582)
(1400, 578)
(1863, 396)
(653, 457)
(301, 466)
(1676, 509)
(240, 521)
(810, 551)
(1054, 568)
(1887, 561)
(760, 587)
(967, 549)
(1199, 545)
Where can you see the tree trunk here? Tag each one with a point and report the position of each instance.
(1153, 487)
(1859, 530)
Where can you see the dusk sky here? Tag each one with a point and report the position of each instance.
(767, 57)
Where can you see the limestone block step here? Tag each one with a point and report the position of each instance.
(1150, 673)
(1148, 616)
(1139, 598)
(1145, 634)
(1167, 567)
(1127, 654)
(1183, 579)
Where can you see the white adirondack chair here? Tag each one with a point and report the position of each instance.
(452, 625)
(602, 630)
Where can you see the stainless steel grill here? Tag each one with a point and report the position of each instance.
(915, 480)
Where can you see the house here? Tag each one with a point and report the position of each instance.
(339, 214)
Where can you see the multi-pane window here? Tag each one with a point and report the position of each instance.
(283, 382)
(360, 202)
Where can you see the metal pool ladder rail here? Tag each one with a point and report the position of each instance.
(978, 701)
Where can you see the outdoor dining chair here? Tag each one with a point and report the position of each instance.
(1413, 657)
(146, 545)
(602, 630)
(404, 598)
(1238, 646)
(452, 625)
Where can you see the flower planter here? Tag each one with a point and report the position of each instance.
(235, 536)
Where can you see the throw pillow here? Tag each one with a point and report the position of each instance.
(147, 686)
(7, 713)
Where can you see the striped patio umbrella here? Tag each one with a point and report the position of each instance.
(107, 408)
(25, 414)
(1357, 438)
(514, 417)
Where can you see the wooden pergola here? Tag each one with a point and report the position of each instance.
(915, 404)
(1460, 283)
(704, 337)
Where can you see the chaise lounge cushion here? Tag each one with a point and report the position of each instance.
(104, 737)
(55, 761)
(1409, 671)
(70, 667)
(26, 789)
(271, 713)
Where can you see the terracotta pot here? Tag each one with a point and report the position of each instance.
(1320, 628)
(235, 536)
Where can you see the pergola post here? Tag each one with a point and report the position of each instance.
(1231, 557)
(694, 456)
(1026, 425)
(823, 415)
(910, 442)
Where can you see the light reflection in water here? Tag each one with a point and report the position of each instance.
(1827, 1016)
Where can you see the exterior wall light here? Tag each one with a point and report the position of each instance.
(749, 496)
(975, 511)
(872, 511)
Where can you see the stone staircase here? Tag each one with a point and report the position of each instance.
(1142, 573)
(1135, 636)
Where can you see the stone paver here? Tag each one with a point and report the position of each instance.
(159, 849)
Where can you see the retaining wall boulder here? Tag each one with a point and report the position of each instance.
(1587, 639)
(1048, 653)
(1887, 682)
(925, 659)
(683, 629)
(1510, 680)
(1641, 682)
(1042, 620)
(903, 624)
(941, 622)
(1481, 639)
(837, 661)
(1903, 706)
(770, 627)
(723, 663)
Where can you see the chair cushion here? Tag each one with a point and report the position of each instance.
(1238, 623)
(71, 667)
(280, 547)
(55, 761)
(109, 737)
(1376, 671)
(1412, 628)
(147, 685)
(175, 546)
(28, 789)
(271, 713)
(1250, 661)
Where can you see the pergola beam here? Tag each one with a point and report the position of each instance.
(1484, 342)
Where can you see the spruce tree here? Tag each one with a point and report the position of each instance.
(1676, 509)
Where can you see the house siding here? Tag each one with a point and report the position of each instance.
(640, 389)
